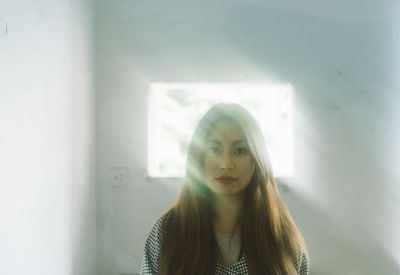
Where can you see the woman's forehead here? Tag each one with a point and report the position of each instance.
(224, 131)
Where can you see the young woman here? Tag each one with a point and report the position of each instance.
(229, 217)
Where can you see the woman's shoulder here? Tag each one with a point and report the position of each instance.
(152, 247)
(158, 227)
(302, 264)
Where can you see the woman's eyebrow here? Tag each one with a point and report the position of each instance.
(233, 143)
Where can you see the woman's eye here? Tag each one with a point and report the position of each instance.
(213, 150)
(241, 151)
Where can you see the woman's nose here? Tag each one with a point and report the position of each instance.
(226, 163)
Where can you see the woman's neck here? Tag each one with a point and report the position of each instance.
(227, 211)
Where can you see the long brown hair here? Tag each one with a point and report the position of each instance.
(270, 238)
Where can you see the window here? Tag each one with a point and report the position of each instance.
(175, 108)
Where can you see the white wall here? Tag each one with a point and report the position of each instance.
(343, 60)
(47, 197)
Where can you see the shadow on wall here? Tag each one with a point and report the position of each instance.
(333, 252)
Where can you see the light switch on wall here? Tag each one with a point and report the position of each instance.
(119, 176)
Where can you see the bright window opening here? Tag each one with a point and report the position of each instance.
(175, 108)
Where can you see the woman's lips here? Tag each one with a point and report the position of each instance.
(226, 180)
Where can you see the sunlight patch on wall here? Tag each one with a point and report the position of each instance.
(175, 108)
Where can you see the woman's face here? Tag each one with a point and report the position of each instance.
(228, 163)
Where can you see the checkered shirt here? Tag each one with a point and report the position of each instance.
(152, 253)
